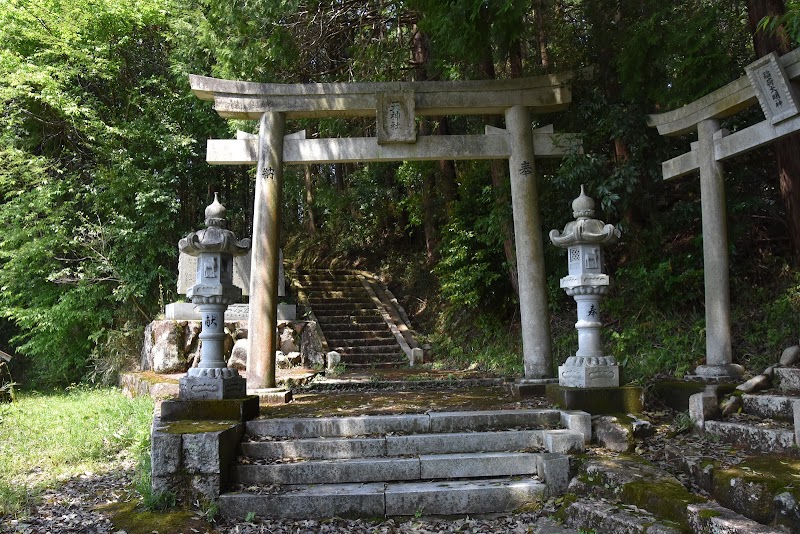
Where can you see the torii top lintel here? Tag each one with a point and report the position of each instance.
(249, 100)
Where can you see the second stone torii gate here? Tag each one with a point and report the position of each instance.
(395, 105)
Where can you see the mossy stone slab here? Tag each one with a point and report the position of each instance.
(623, 399)
(676, 393)
(243, 409)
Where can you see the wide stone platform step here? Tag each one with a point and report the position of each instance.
(376, 499)
(770, 406)
(432, 422)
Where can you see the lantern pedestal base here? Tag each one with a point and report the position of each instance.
(588, 376)
(212, 386)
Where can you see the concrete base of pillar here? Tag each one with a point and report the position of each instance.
(272, 395)
(718, 372)
(623, 399)
(530, 387)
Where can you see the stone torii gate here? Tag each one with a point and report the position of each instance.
(768, 82)
(395, 105)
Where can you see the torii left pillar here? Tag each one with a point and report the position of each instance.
(533, 310)
(263, 324)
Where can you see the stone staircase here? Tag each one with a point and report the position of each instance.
(435, 463)
(765, 421)
(353, 319)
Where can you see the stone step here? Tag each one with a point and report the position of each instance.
(323, 314)
(382, 348)
(769, 439)
(711, 517)
(341, 297)
(349, 330)
(369, 359)
(758, 487)
(381, 499)
(388, 337)
(332, 321)
(788, 379)
(611, 518)
(367, 332)
(427, 423)
(415, 444)
(326, 305)
(389, 469)
(769, 406)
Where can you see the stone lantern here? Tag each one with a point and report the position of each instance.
(215, 247)
(586, 283)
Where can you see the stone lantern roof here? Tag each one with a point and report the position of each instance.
(216, 237)
(585, 229)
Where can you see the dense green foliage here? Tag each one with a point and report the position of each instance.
(49, 437)
(102, 149)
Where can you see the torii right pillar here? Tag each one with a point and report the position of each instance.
(719, 355)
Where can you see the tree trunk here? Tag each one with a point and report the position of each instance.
(787, 149)
(499, 172)
(541, 33)
(311, 225)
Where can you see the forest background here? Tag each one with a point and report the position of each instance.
(102, 170)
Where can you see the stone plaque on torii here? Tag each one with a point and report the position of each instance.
(395, 105)
(769, 83)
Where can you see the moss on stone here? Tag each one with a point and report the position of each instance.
(666, 499)
(128, 517)
(708, 513)
(196, 427)
(764, 477)
(623, 399)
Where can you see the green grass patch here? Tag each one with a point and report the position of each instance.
(49, 437)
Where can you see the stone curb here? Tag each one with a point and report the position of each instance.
(712, 517)
(766, 440)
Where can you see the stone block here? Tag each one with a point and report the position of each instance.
(788, 379)
(563, 441)
(579, 422)
(272, 395)
(165, 452)
(624, 399)
(417, 357)
(757, 383)
(478, 464)
(796, 414)
(605, 517)
(553, 469)
(332, 359)
(613, 434)
(702, 408)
